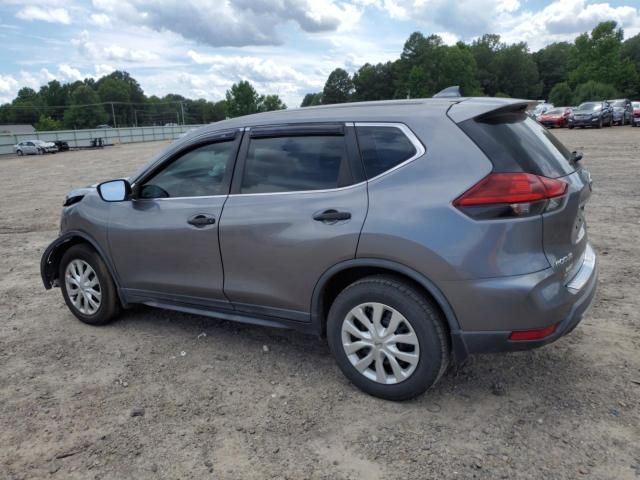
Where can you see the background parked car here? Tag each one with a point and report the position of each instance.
(635, 121)
(591, 114)
(556, 117)
(34, 147)
(62, 145)
(622, 111)
(540, 109)
(104, 126)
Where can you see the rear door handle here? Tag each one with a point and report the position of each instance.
(201, 220)
(332, 216)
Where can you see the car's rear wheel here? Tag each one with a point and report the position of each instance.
(388, 338)
(87, 286)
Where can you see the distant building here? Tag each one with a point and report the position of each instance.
(17, 129)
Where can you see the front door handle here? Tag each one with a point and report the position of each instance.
(332, 216)
(201, 220)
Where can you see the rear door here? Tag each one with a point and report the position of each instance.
(297, 206)
(516, 143)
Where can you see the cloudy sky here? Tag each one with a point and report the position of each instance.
(198, 48)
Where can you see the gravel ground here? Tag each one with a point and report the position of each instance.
(168, 395)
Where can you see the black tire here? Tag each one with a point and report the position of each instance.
(40, 151)
(19, 152)
(109, 303)
(611, 122)
(599, 125)
(421, 313)
(571, 127)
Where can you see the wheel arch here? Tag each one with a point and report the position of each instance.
(347, 272)
(50, 261)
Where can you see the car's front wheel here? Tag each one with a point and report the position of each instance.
(19, 153)
(87, 286)
(388, 338)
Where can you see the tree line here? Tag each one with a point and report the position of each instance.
(597, 65)
(118, 100)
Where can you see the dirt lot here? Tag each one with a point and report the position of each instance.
(221, 406)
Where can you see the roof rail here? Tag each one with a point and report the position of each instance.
(449, 92)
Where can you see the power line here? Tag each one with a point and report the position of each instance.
(148, 104)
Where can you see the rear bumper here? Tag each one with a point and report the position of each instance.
(561, 304)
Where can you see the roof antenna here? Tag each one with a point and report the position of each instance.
(449, 92)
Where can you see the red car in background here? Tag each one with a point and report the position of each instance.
(556, 117)
(635, 119)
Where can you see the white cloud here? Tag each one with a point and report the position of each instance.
(51, 15)
(101, 19)
(232, 22)
(115, 53)
(466, 19)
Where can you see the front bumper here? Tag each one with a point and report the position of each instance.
(636, 120)
(584, 122)
(548, 302)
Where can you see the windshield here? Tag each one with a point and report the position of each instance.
(555, 111)
(590, 106)
(618, 103)
(636, 104)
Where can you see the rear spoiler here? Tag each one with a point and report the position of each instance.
(481, 106)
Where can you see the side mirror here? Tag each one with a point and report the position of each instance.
(115, 190)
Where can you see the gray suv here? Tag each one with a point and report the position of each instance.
(411, 233)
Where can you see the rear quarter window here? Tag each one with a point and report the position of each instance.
(382, 148)
(514, 142)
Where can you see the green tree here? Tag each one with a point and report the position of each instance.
(84, 110)
(338, 88)
(517, 72)
(47, 124)
(374, 82)
(485, 52)
(311, 99)
(113, 90)
(553, 65)
(269, 103)
(599, 57)
(593, 90)
(561, 95)
(458, 68)
(242, 99)
(25, 107)
(420, 65)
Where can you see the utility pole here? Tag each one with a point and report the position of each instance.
(113, 115)
(178, 117)
(182, 109)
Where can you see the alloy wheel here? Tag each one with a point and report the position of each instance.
(380, 343)
(83, 287)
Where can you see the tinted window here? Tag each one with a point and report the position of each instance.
(288, 164)
(382, 148)
(515, 142)
(197, 173)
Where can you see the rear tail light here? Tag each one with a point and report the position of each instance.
(511, 194)
(535, 334)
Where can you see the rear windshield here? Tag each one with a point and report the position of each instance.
(514, 142)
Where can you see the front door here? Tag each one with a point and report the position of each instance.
(164, 242)
(297, 206)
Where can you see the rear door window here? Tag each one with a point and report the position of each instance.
(514, 142)
(382, 148)
(294, 163)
